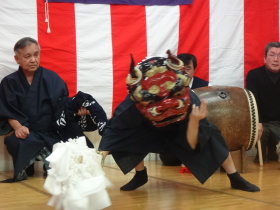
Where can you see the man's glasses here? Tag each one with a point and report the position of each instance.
(274, 56)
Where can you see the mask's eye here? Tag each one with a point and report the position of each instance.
(148, 98)
(155, 112)
(146, 103)
(180, 104)
(179, 93)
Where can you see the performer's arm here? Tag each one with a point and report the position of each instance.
(20, 130)
(197, 113)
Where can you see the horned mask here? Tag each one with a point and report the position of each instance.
(159, 88)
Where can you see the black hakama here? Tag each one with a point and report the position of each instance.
(130, 137)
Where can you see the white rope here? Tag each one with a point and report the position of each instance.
(47, 17)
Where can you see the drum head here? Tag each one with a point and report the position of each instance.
(234, 111)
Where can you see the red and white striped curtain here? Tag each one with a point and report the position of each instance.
(89, 44)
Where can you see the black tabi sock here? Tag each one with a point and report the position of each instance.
(139, 179)
(30, 170)
(237, 182)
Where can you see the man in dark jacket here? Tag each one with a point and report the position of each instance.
(28, 101)
(190, 64)
(36, 109)
(264, 83)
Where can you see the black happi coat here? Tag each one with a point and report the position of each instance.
(130, 137)
(69, 125)
(34, 107)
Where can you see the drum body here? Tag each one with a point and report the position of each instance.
(234, 111)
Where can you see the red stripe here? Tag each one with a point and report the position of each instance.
(58, 48)
(128, 36)
(194, 34)
(261, 25)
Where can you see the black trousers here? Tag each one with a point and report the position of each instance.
(270, 137)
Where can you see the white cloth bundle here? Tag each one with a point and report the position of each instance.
(76, 179)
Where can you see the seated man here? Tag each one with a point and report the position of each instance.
(29, 98)
(264, 83)
(32, 99)
(159, 113)
(190, 64)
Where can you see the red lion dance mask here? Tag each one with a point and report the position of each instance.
(159, 88)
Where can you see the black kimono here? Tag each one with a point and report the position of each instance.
(70, 125)
(34, 107)
(130, 137)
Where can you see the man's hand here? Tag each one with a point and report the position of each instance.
(83, 111)
(22, 132)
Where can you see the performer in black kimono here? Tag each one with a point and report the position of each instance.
(36, 112)
(161, 113)
(190, 64)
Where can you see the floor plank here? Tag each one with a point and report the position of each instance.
(166, 189)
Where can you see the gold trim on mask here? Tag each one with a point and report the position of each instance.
(132, 81)
(186, 79)
(169, 85)
(154, 89)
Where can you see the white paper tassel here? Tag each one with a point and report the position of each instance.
(47, 17)
(76, 179)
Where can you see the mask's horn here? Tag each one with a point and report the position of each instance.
(135, 75)
(173, 62)
(131, 69)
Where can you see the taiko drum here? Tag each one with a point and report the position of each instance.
(234, 111)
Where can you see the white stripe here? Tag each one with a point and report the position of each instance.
(162, 29)
(226, 62)
(94, 52)
(17, 20)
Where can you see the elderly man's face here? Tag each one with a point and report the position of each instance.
(28, 58)
(272, 59)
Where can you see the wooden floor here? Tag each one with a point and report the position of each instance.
(166, 189)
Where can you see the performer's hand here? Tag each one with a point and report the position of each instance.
(83, 111)
(199, 112)
(21, 132)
